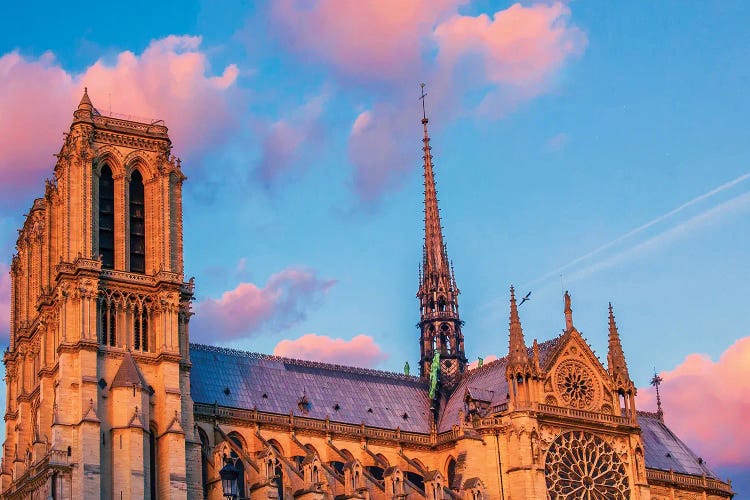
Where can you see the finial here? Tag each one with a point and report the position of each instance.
(568, 312)
(421, 98)
(85, 103)
(656, 382)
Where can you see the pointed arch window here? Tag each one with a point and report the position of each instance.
(137, 224)
(140, 328)
(108, 322)
(106, 218)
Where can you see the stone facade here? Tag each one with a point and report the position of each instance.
(77, 317)
(106, 398)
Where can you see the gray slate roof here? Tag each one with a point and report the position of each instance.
(356, 391)
(247, 377)
(664, 450)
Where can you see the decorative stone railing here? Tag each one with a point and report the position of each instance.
(439, 314)
(58, 457)
(326, 426)
(88, 264)
(583, 414)
(161, 276)
(126, 276)
(132, 123)
(502, 407)
(497, 410)
(686, 480)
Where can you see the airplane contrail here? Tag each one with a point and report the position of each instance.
(639, 229)
(739, 202)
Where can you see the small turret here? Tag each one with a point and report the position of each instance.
(85, 103)
(520, 371)
(616, 364)
(85, 108)
(518, 358)
(618, 370)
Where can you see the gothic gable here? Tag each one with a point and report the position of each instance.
(574, 376)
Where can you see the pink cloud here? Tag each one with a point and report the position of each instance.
(359, 351)
(376, 150)
(4, 303)
(519, 46)
(508, 59)
(169, 80)
(367, 39)
(284, 140)
(705, 403)
(283, 301)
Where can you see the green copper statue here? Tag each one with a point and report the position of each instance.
(406, 368)
(480, 362)
(434, 369)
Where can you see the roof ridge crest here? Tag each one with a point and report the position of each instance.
(304, 362)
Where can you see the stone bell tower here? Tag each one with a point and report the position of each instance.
(440, 324)
(98, 366)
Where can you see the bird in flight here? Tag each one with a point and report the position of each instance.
(527, 297)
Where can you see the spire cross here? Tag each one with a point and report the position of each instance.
(656, 381)
(421, 98)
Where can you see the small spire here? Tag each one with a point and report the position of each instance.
(517, 353)
(617, 366)
(85, 103)
(656, 382)
(568, 312)
(535, 350)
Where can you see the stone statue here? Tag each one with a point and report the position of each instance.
(434, 369)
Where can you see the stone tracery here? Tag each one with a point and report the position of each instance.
(580, 465)
(576, 384)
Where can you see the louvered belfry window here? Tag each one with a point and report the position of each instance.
(107, 218)
(137, 225)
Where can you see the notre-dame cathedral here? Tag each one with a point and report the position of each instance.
(107, 398)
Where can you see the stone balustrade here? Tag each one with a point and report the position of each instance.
(671, 478)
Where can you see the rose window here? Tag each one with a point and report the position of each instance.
(576, 384)
(583, 466)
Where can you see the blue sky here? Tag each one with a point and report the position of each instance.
(645, 110)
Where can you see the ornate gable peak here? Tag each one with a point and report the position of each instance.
(90, 414)
(137, 420)
(572, 344)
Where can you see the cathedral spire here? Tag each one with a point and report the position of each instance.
(440, 324)
(435, 254)
(616, 364)
(517, 353)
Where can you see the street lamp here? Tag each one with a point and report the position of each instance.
(228, 475)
